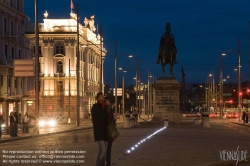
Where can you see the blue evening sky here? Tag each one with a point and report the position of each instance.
(203, 29)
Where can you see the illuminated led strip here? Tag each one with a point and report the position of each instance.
(143, 140)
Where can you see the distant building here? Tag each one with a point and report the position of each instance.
(57, 57)
(13, 45)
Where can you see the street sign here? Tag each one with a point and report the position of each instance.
(140, 97)
(24, 68)
(93, 88)
(119, 91)
(227, 94)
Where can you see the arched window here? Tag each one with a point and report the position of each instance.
(59, 67)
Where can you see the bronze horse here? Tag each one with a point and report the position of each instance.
(167, 54)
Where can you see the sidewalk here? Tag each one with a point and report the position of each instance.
(60, 128)
(182, 145)
(236, 121)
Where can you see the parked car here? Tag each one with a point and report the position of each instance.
(234, 115)
(212, 115)
(47, 121)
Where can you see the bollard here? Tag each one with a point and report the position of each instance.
(166, 121)
(127, 120)
(132, 122)
(205, 120)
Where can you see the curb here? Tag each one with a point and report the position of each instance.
(41, 135)
(45, 134)
(240, 124)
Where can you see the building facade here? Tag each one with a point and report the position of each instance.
(13, 45)
(58, 70)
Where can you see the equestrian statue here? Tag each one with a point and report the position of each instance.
(167, 51)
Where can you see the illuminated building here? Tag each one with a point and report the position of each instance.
(57, 49)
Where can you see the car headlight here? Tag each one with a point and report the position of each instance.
(41, 123)
(52, 122)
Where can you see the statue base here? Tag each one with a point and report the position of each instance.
(166, 99)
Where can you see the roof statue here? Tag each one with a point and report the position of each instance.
(90, 23)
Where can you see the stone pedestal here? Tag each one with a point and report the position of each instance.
(205, 120)
(127, 120)
(166, 99)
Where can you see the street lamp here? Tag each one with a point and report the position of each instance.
(116, 54)
(221, 85)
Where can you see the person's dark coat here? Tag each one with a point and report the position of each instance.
(244, 117)
(111, 119)
(12, 126)
(100, 122)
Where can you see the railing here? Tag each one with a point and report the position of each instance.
(59, 74)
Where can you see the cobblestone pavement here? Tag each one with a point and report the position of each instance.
(177, 145)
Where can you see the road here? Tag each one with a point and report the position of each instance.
(181, 145)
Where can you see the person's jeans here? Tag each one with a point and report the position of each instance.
(108, 155)
(101, 155)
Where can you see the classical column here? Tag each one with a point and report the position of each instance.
(24, 86)
(18, 88)
(5, 102)
(12, 86)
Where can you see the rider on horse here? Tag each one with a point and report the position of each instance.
(167, 41)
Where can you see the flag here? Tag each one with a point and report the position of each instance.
(71, 5)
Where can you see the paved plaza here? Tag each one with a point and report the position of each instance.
(186, 144)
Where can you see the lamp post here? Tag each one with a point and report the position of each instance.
(69, 95)
(148, 94)
(221, 86)
(36, 60)
(115, 80)
(209, 92)
(239, 83)
(137, 79)
(77, 72)
(116, 54)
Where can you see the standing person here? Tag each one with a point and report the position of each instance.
(12, 124)
(100, 126)
(244, 117)
(26, 122)
(1, 122)
(111, 119)
(16, 123)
